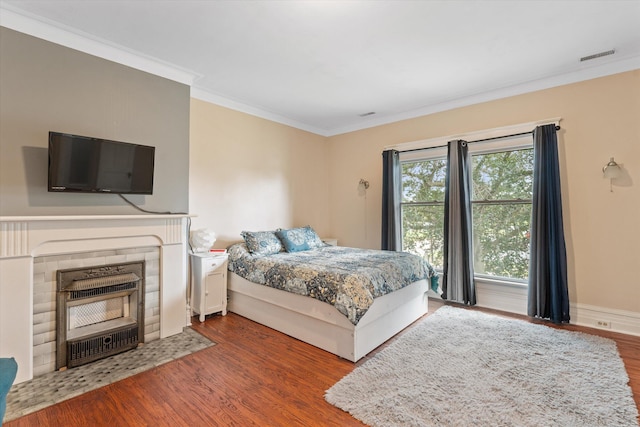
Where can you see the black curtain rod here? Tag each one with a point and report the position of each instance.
(471, 142)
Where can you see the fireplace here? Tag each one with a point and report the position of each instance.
(34, 248)
(99, 312)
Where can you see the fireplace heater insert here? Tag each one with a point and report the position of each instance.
(100, 312)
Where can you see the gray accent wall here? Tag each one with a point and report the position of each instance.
(47, 87)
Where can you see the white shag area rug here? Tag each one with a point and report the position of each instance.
(461, 367)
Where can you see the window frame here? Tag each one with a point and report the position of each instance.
(475, 148)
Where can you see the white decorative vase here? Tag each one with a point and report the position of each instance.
(202, 240)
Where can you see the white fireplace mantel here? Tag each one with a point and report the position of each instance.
(24, 238)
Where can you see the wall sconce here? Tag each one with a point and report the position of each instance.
(364, 184)
(611, 171)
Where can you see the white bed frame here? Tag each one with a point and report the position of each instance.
(320, 324)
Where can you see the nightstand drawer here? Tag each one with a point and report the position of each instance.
(213, 263)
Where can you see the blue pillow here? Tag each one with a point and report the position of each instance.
(299, 239)
(262, 242)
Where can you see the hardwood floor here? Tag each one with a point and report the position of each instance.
(253, 376)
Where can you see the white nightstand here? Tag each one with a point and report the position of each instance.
(209, 283)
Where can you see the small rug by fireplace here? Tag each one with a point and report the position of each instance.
(460, 367)
(54, 387)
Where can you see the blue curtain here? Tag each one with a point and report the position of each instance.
(458, 284)
(548, 290)
(391, 221)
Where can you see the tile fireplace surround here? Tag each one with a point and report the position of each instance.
(23, 239)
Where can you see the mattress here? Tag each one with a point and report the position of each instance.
(349, 279)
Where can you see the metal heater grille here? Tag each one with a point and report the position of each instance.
(88, 349)
(104, 290)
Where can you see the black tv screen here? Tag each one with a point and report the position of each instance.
(85, 164)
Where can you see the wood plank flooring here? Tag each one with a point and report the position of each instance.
(253, 376)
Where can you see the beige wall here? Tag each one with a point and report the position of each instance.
(248, 173)
(600, 119)
(47, 87)
(253, 174)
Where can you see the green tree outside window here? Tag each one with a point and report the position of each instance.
(501, 202)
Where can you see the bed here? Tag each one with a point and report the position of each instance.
(346, 301)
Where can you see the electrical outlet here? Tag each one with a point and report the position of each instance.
(603, 324)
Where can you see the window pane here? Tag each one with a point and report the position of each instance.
(422, 232)
(501, 240)
(423, 181)
(503, 176)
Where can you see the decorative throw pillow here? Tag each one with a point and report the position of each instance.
(299, 239)
(313, 239)
(262, 242)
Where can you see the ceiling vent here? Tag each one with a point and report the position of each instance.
(598, 55)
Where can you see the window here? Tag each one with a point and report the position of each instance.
(422, 205)
(502, 190)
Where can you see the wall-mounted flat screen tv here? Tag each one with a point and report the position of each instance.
(94, 165)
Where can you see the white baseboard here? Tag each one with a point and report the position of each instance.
(513, 299)
(625, 322)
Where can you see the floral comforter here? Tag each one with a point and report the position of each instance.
(347, 278)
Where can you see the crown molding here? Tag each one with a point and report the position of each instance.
(613, 67)
(54, 32)
(587, 73)
(212, 98)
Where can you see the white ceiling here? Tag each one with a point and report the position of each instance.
(319, 65)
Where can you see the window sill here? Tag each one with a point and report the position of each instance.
(492, 281)
(501, 282)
